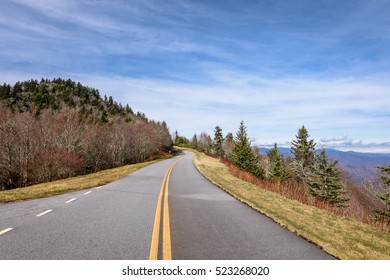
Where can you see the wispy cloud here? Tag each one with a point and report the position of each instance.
(347, 143)
(197, 64)
(272, 109)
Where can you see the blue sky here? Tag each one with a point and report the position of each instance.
(277, 65)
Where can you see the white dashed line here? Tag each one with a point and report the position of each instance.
(5, 230)
(70, 200)
(87, 193)
(98, 187)
(44, 213)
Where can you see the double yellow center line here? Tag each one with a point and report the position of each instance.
(166, 233)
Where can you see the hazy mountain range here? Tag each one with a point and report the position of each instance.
(360, 166)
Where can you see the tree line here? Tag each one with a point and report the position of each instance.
(320, 176)
(56, 129)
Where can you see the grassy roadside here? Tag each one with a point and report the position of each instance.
(72, 184)
(341, 237)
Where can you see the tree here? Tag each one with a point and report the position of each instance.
(228, 144)
(278, 170)
(205, 142)
(326, 183)
(180, 141)
(385, 196)
(302, 148)
(194, 142)
(218, 142)
(5, 91)
(243, 155)
(17, 88)
(104, 117)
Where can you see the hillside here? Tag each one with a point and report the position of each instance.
(55, 129)
(57, 94)
(359, 166)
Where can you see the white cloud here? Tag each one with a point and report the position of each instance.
(347, 143)
(273, 110)
(200, 65)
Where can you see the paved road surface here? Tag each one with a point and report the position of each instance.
(118, 220)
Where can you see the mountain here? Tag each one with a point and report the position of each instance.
(56, 94)
(359, 166)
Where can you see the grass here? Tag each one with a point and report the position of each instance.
(71, 184)
(342, 237)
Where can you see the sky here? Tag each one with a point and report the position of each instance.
(276, 65)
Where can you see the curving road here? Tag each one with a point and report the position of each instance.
(167, 210)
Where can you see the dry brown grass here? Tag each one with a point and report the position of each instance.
(343, 237)
(360, 206)
(71, 184)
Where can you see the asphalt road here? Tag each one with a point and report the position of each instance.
(167, 209)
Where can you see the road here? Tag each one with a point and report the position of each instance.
(165, 211)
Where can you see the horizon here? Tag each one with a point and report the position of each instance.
(199, 64)
(339, 149)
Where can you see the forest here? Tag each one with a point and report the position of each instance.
(54, 129)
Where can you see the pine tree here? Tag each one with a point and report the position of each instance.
(104, 117)
(302, 148)
(17, 88)
(384, 197)
(326, 183)
(218, 141)
(278, 170)
(243, 155)
(5, 91)
(176, 138)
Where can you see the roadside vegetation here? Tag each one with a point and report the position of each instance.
(340, 236)
(72, 184)
(309, 176)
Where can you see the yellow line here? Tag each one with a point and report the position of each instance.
(167, 252)
(156, 227)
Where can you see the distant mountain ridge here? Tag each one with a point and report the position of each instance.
(360, 166)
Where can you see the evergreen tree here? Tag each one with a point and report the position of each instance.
(218, 141)
(325, 182)
(32, 85)
(243, 155)
(110, 101)
(278, 170)
(384, 197)
(128, 109)
(128, 118)
(176, 138)
(17, 88)
(302, 148)
(104, 117)
(180, 141)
